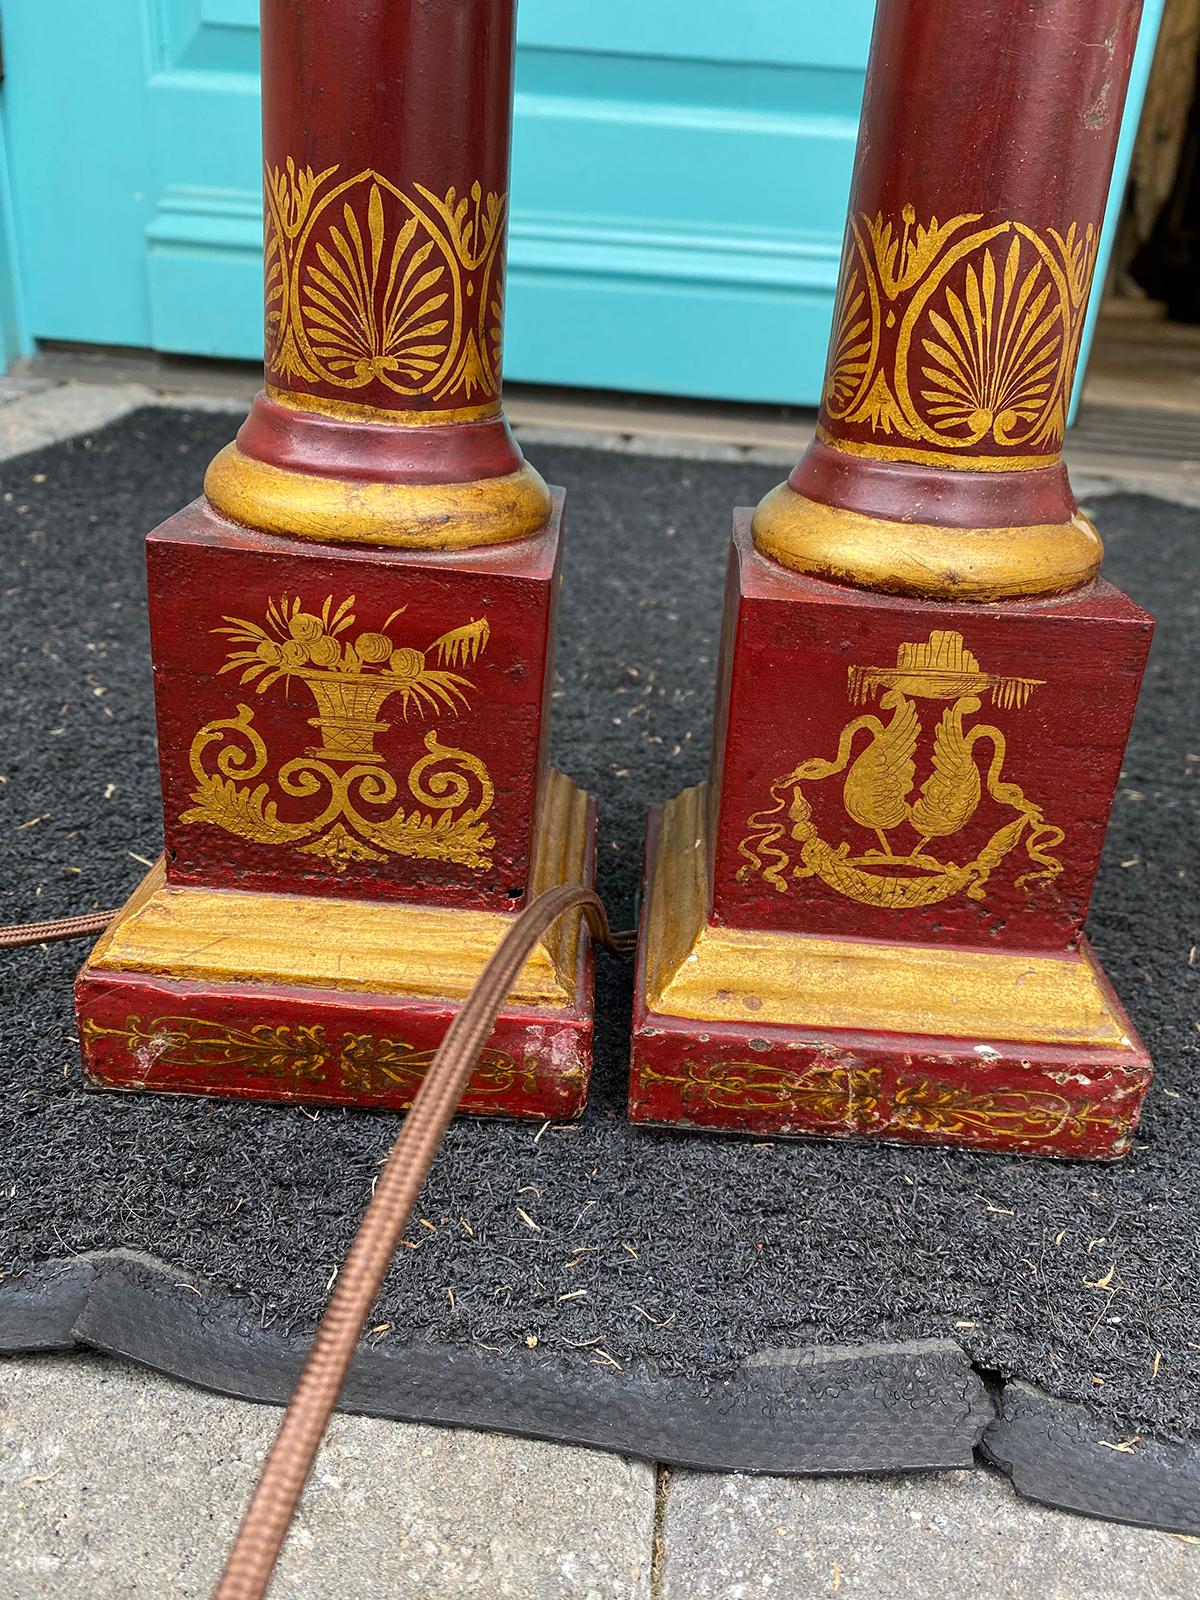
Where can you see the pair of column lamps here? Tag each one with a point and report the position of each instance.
(868, 922)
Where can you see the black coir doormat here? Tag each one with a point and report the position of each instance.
(704, 1300)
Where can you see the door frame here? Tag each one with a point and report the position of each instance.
(14, 329)
(1131, 117)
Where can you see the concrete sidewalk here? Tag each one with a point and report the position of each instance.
(116, 1482)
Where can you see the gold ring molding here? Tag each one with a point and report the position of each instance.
(945, 459)
(351, 411)
(405, 516)
(927, 560)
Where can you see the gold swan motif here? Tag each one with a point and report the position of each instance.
(877, 790)
(878, 783)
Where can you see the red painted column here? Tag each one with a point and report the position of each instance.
(386, 130)
(353, 631)
(869, 922)
(986, 148)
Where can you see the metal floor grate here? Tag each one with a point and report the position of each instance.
(1150, 433)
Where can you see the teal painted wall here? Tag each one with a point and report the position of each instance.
(680, 171)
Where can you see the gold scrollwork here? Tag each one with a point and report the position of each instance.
(369, 283)
(929, 1106)
(850, 1098)
(350, 683)
(986, 323)
(878, 787)
(299, 1054)
(838, 1096)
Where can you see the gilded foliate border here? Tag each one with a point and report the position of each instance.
(370, 283)
(300, 1055)
(835, 1098)
(949, 337)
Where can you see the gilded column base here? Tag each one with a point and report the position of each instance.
(929, 560)
(408, 516)
(315, 998)
(779, 1033)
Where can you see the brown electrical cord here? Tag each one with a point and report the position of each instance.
(269, 1515)
(18, 933)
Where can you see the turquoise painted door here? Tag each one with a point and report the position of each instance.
(680, 171)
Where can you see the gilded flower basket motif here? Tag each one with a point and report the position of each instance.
(350, 683)
(368, 283)
(952, 337)
(300, 1054)
(878, 797)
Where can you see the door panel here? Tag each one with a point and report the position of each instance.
(203, 243)
(81, 171)
(680, 171)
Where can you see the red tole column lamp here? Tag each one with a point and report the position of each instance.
(353, 631)
(869, 922)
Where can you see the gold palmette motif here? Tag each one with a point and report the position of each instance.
(987, 328)
(877, 790)
(300, 1054)
(350, 683)
(849, 1099)
(366, 282)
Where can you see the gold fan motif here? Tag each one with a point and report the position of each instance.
(371, 283)
(954, 336)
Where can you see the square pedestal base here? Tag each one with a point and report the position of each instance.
(335, 1001)
(781, 1034)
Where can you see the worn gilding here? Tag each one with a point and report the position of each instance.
(373, 947)
(959, 338)
(351, 411)
(836, 1098)
(373, 282)
(291, 1055)
(758, 977)
(931, 561)
(405, 516)
(905, 829)
(352, 675)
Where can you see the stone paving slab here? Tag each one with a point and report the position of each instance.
(116, 1482)
(37, 417)
(941, 1536)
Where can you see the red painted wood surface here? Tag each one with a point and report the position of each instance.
(419, 92)
(1033, 1099)
(258, 1042)
(378, 451)
(985, 152)
(1042, 1100)
(481, 697)
(1052, 697)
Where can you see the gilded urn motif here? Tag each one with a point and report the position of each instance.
(351, 676)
